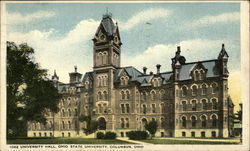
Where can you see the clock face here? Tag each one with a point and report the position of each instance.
(116, 39)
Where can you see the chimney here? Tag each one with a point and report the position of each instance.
(75, 68)
(158, 66)
(179, 48)
(151, 73)
(145, 70)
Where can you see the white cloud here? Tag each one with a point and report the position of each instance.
(61, 53)
(193, 50)
(221, 18)
(17, 18)
(144, 16)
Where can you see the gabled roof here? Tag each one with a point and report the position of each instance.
(210, 65)
(132, 72)
(87, 74)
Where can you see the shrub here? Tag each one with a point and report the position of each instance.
(100, 135)
(137, 135)
(110, 135)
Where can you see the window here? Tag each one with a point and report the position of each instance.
(127, 108)
(193, 134)
(127, 95)
(215, 104)
(69, 124)
(40, 134)
(63, 113)
(153, 108)
(194, 90)
(204, 104)
(184, 91)
(63, 125)
(183, 134)
(122, 123)
(153, 96)
(184, 121)
(184, 105)
(203, 121)
(193, 120)
(203, 134)
(68, 134)
(144, 109)
(76, 112)
(123, 95)
(122, 81)
(62, 134)
(127, 123)
(50, 134)
(99, 82)
(214, 121)
(196, 75)
(123, 108)
(202, 74)
(162, 94)
(99, 95)
(34, 134)
(204, 89)
(144, 96)
(214, 88)
(194, 105)
(213, 133)
(105, 94)
(69, 112)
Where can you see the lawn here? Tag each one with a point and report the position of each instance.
(63, 141)
(174, 141)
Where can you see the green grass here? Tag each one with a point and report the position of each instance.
(168, 141)
(63, 141)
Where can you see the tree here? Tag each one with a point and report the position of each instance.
(30, 94)
(91, 126)
(151, 127)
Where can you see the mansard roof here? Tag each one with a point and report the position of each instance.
(210, 65)
(108, 25)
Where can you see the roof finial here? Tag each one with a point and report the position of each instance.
(54, 72)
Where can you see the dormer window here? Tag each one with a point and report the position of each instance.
(196, 75)
(124, 80)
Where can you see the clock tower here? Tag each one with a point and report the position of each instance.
(106, 53)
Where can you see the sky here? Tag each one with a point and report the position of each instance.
(61, 34)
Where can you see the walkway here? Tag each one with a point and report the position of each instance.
(131, 141)
(235, 140)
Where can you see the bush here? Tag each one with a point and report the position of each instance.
(137, 135)
(100, 135)
(110, 135)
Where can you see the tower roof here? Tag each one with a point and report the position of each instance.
(223, 52)
(108, 24)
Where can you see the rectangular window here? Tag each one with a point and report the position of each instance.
(213, 134)
(183, 134)
(203, 134)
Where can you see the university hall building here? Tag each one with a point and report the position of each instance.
(191, 100)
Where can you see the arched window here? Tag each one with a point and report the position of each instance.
(102, 123)
(105, 94)
(193, 120)
(202, 74)
(63, 125)
(153, 108)
(184, 121)
(204, 104)
(69, 123)
(127, 95)
(99, 81)
(126, 80)
(203, 121)
(144, 109)
(105, 80)
(127, 123)
(69, 111)
(162, 92)
(214, 88)
(122, 123)
(194, 90)
(122, 81)
(203, 89)
(63, 113)
(99, 95)
(153, 96)
(196, 75)
(214, 121)
(123, 95)
(123, 108)
(144, 96)
(144, 122)
(184, 91)
(76, 112)
(215, 104)
(194, 105)
(184, 105)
